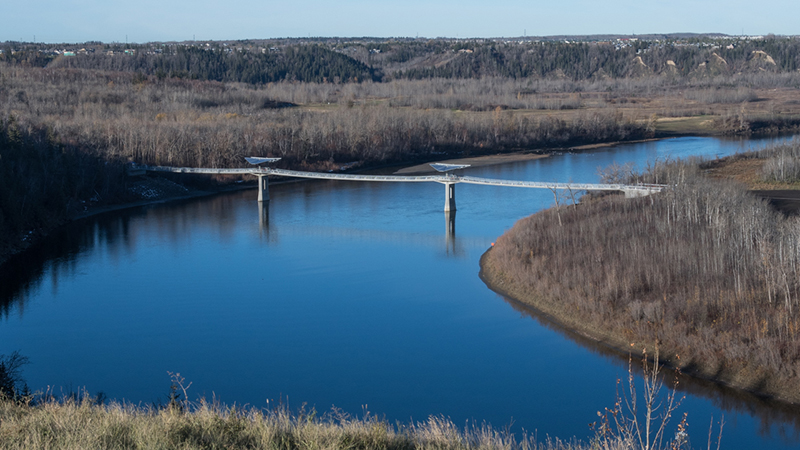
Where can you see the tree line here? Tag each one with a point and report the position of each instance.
(385, 61)
(305, 63)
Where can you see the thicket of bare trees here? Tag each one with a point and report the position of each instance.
(195, 123)
(783, 163)
(704, 268)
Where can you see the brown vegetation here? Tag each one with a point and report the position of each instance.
(82, 421)
(705, 269)
(65, 134)
(84, 424)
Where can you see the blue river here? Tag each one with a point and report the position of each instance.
(355, 296)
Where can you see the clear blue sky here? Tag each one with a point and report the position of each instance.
(153, 20)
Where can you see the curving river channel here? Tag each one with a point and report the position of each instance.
(344, 294)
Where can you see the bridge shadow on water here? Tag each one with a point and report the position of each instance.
(774, 418)
(451, 246)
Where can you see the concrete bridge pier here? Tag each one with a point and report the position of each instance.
(263, 188)
(449, 197)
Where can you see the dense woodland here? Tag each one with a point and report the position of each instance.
(705, 269)
(586, 61)
(308, 63)
(341, 61)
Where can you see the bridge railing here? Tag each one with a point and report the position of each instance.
(446, 178)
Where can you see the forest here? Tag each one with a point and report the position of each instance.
(360, 60)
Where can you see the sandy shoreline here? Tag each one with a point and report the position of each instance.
(504, 158)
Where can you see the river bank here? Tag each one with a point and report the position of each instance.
(739, 377)
(619, 343)
(616, 273)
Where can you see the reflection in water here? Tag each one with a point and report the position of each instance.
(58, 254)
(263, 223)
(21, 275)
(450, 234)
(452, 248)
(775, 418)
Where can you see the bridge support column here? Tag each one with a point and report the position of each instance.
(449, 196)
(263, 188)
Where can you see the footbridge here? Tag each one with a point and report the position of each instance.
(445, 177)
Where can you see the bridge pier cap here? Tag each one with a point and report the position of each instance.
(263, 181)
(449, 188)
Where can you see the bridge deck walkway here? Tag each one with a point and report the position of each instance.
(444, 179)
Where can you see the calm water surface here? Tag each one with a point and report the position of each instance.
(343, 294)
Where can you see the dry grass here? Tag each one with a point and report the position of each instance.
(72, 424)
(745, 171)
(770, 170)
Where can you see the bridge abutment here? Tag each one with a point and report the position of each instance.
(263, 188)
(449, 197)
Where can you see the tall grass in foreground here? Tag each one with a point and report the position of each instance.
(635, 422)
(74, 424)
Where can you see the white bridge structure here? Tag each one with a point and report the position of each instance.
(446, 178)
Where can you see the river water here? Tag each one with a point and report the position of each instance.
(358, 296)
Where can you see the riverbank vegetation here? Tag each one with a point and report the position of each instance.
(705, 270)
